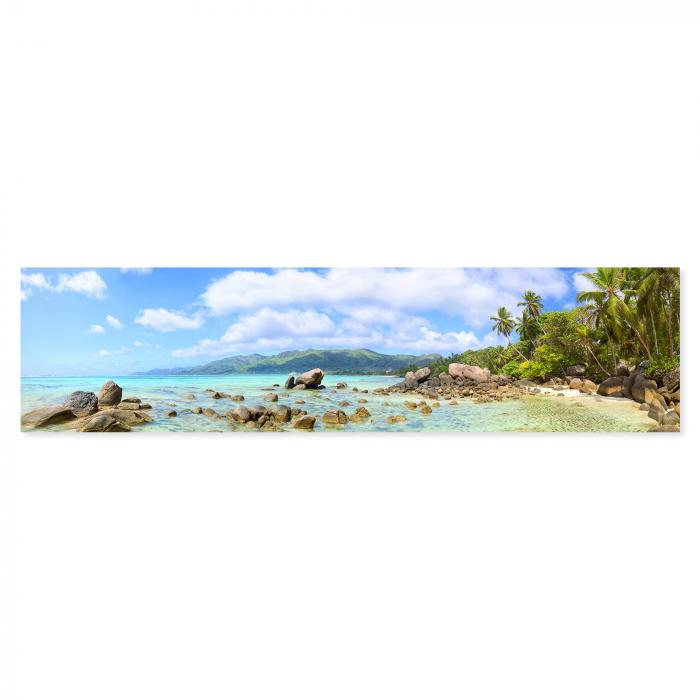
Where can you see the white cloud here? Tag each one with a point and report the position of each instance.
(96, 328)
(269, 330)
(88, 283)
(581, 284)
(165, 321)
(471, 294)
(114, 322)
(138, 344)
(136, 270)
(108, 353)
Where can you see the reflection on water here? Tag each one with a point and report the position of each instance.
(532, 413)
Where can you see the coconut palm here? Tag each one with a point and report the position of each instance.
(504, 325)
(532, 304)
(584, 335)
(605, 302)
(658, 294)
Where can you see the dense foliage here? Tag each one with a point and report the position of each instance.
(628, 314)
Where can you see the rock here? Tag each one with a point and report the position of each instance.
(477, 374)
(237, 397)
(672, 379)
(657, 410)
(361, 400)
(575, 383)
(210, 413)
(360, 414)
(425, 410)
(410, 404)
(575, 371)
(129, 406)
(256, 411)
(217, 395)
(82, 403)
(642, 388)
(110, 394)
(127, 419)
(240, 414)
(627, 387)
(335, 417)
(612, 386)
(197, 409)
(671, 418)
(304, 422)
(51, 415)
(311, 379)
(344, 403)
(145, 406)
(588, 387)
(282, 413)
(289, 384)
(622, 370)
(409, 375)
(644, 407)
(103, 423)
(341, 385)
(271, 397)
(396, 419)
(189, 397)
(422, 374)
(171, 414)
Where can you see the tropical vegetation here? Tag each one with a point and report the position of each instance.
(629, 314)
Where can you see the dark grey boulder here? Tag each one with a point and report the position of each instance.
(82, 403)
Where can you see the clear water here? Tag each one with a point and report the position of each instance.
(535, 413)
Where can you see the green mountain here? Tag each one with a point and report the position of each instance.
(297, 361)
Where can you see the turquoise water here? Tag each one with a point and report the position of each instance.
(536, 413)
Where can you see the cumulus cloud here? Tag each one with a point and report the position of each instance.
(88, 283)
(109, 353)
(136, 270)
(468, 293)
(114, 322)
(581, 284)
(138, 344)
(166, 321)
(96, 328)
(269, 330)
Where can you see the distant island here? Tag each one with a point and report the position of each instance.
(293, 361)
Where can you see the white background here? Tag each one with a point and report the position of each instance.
(364, 566)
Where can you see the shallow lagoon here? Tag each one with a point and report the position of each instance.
(537, 413)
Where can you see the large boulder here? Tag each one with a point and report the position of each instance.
(657, 410)
(671, 418)
(575, 371)
(422, 374)
(51, 415)
(575, 383)
(410, 375)
(672, 380)
(476, 374)
(642, 389)
(622, 370)
(311, 379)
(282, 413)
(612, 386)
(82, 403)
(289, 383)
(588, 387)
(103, 423)
(127, 419)
(240, 414)
(304, 422)
(335, 417)
(110, 394)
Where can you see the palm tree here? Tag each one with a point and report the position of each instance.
(658, 294)
(605, 302)
(503, 325)
(532, 304)
(584, 335)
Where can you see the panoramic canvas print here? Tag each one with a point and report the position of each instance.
(340, 350)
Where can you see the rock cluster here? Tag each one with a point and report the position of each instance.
(87, 412)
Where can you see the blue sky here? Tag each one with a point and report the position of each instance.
(97, 321)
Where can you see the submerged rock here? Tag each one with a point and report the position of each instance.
(304, 422)
(335, 417)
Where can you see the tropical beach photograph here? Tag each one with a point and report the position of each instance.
(351, 350)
